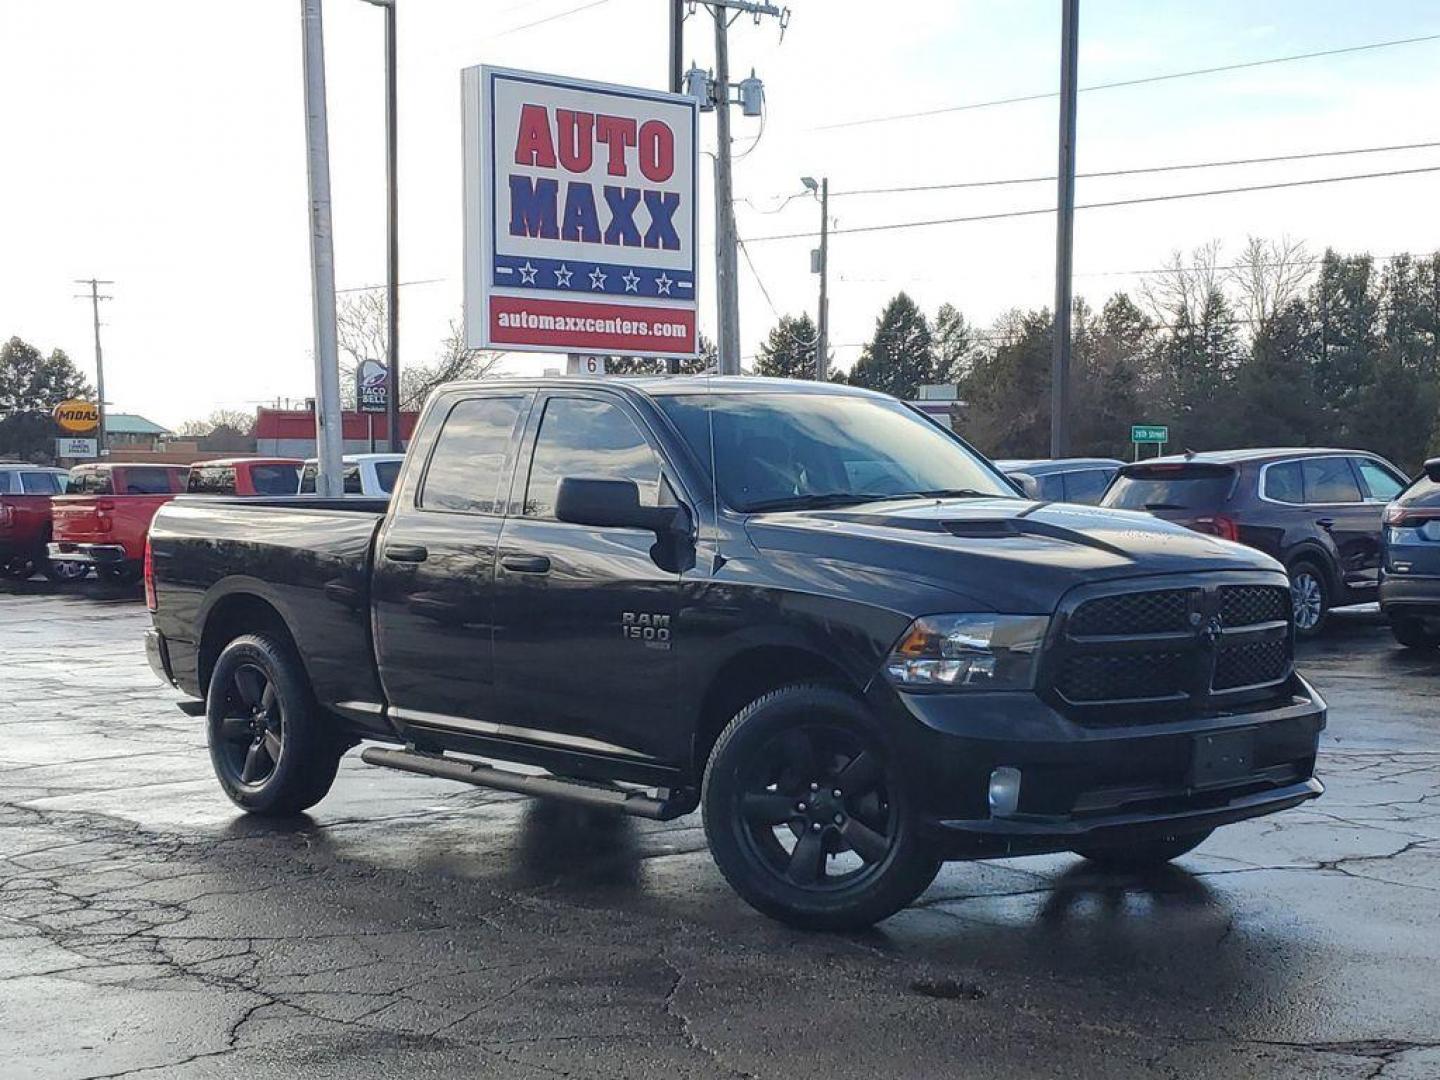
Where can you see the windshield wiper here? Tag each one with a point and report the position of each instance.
(1165, 506)
(814, 501)
(946, 493)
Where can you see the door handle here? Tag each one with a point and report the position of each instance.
(526, 564)
(1325, 523)
(406, 553)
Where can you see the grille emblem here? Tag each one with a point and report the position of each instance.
(1212, 632)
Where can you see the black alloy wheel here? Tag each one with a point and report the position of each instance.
(816, 809)
(252, 730)
(808, 814)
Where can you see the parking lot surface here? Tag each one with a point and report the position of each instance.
(412, 927)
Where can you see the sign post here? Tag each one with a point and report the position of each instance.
(1157, 434)
(580, 216)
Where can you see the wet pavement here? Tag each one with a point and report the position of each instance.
(413, 927)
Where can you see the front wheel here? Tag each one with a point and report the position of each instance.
(269, 744)
(17, 568)
(1415, 633)
(1309, 598)
(808, 815)
(1142, 853)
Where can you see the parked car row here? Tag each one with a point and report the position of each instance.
(1349, 527)
(97, 516)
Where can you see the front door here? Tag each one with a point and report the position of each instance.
(432, 589)
(1332, 494)
(584, 655)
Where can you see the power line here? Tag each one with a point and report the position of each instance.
(1013, 180)
(1101, 205)
(756, 274)
(1142, 81)
(552, 18)
(373, 288)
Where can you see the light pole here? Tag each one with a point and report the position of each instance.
(822, 324)
(392, 231)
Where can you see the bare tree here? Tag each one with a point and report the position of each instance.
(1181, 292)
(233, 420)
(1268, 275)
(455, 361)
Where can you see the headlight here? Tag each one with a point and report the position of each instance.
(974, 651)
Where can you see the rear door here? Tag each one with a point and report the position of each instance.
(584, 615)
(1333, 497)
(435, 564)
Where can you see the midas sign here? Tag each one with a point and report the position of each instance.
(76, 415)
(580, 216)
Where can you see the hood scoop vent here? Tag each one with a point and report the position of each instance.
(1001, 528)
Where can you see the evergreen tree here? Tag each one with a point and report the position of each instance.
(901, 356)
(789, 351)
(955, 344)
(1006, 397)
(1109, 360)
(31, 385)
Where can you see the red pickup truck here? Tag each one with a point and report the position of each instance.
(245, 476)
(25, 494)
(104, 517)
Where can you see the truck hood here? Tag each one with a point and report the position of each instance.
(1005, 554)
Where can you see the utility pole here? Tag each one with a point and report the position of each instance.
(328, 435)
(94, 297)
(1064, 233)
(822, 338)
(677, 86)
(726, 287)
(392, 232)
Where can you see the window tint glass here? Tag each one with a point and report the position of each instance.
(352, 480)
(307, 478)
(1329, 480)
(212, 480)
(146, 481)
(1170, 487)
(593, 439)
(1284, 483)
(5, 481)
(1381, 486)
(275, 479)
(464, 472)
(387, 472)
(37, 483)
(1050, 487)
(1086, 486)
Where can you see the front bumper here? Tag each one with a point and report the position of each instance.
(93, 554)
(1082, 782)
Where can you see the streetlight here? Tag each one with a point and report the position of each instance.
(392, 231)
(821, 265)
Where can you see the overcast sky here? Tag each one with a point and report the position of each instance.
(161, 143)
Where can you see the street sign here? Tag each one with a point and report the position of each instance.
(76, 448)
(372, 386)
(1149, 433)
(77, 416)
(580, 216)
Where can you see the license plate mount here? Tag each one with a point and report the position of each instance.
(1221, 758)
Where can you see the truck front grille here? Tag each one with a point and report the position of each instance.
(1125, 655)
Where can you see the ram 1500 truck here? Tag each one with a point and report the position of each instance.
(808, 610)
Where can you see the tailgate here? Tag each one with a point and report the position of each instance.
(1414, 543)
(77, 519)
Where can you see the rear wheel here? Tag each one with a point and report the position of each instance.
(1415, 633)
(1141, 853)
(64, 570)
(807, 812)
(1309, 598)
(270, 747)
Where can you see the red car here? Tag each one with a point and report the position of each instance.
(245, 476)
(25, 494)
(104, 518)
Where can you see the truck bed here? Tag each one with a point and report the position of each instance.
(305, 556)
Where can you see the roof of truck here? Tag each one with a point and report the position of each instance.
(662, 385)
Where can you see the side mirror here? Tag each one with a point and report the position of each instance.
(615, 504)
(1432, 469)
(1026, 484)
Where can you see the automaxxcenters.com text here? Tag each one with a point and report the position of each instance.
(525, 320)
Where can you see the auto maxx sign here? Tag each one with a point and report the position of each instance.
(580, 216)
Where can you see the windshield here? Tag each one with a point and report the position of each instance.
(1170, 487)
(787, 451)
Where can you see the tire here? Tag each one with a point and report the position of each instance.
(17, 568)
(270, 746)
(802, 746)
(1310, 598)
(1142, 853)
(64, 571)
(1413, 633)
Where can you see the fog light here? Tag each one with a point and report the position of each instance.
(1004, 791)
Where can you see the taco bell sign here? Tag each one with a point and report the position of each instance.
(580, 216)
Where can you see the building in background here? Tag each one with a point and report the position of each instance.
(127, 431)
(939, 402)
(291, 432)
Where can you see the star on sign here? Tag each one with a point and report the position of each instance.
(597, 278)
(562, 276)
(662, 285)
(632, 281)
(527, 274)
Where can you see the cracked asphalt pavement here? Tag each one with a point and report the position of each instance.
(413, 927)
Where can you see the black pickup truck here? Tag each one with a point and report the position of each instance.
(809, 610)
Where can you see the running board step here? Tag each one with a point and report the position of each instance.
(634, 803)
